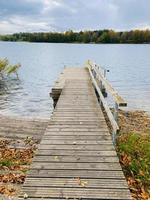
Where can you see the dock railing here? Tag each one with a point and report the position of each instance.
(101, 85)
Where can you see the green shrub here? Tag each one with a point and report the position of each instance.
(7, 69)
(134, 153)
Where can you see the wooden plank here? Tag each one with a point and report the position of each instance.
(77, 122)
(77, 125)
(102, 134)
(77, 159)
(75, 183)
(88, 147)
(75, 117)
(78, 129)
(81, 166)
(76, 137)
(75, 153)
(75, 142)
(76, 114)
(76, 173)
(120, 194)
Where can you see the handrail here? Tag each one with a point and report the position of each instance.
(118, 99)
(98, 77)
(106, 107)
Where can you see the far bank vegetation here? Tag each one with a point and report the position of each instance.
(97, 36)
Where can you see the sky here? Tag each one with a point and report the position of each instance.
(63, 15)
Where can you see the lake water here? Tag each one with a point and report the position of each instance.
(129, 67)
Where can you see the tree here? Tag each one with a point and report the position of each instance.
(98, 36)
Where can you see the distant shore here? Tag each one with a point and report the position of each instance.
(83, 37)
(90, 43)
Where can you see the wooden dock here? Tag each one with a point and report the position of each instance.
(76, 158)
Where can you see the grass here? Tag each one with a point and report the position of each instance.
(11, 158)
(9, 163)
(6, 163)
(134, 153)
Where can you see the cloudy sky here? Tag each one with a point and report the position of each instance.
(61, 15)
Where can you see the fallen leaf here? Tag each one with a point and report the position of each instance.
(25, 196)
(56, 158)
(74, 142)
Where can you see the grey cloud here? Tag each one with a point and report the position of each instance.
(60, 15)
(132, 13)
(19, 7)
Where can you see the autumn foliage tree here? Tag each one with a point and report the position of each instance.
(97, 36)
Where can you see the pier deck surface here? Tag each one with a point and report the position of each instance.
(76, 158)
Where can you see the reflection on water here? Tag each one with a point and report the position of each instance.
(129, 67)
(10, 88)
(15, 99)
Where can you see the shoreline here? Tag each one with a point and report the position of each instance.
(92, 43)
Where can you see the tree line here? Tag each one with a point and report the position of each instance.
(97, 36)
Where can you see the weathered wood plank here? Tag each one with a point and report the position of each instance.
(70, 123)
(76, 183)
(79, 166)
(88, 147)
(76, 173)
(78, 129)
(120, 194)
(74, 136)
(75, 152)
(77, 159)
(69, 117)
(75, 142)
(77, 126)
(102, 135)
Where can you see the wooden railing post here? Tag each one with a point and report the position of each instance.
(101, 88)
(105, 73)
(114, 137)
(116, 109)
